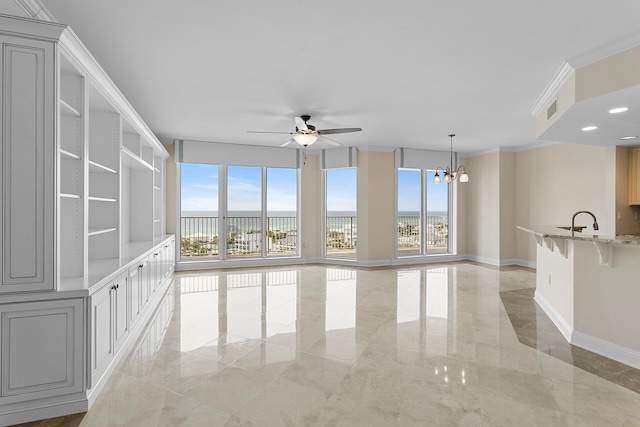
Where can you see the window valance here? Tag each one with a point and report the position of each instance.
(217, 153)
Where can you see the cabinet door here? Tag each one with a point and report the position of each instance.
(27, 174)
(134, 290)
(155, 257)
(121, 302)
(144, 283)
(42, 347)
(634, 176)
(101, 331)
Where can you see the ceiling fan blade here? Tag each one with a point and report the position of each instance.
(288, 142)
(301, 125)
(329, 140)
(264, 131)
(343, 130)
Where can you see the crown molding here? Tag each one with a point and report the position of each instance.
(560, 78)
(605, 50)
(36, 10)
(510, 149)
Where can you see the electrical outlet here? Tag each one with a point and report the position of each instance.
(549, 279)
(619, 216)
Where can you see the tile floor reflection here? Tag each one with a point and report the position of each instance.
(319, 346)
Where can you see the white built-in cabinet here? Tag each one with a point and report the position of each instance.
(85, 258)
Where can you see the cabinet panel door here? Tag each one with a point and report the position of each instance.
(144, 283)
(634, 176)
(42, 346)
(121, 326)
(28, 165)
(101, 331)
(134, 290)
(155, 270)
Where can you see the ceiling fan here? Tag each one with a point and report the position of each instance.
(307, 134)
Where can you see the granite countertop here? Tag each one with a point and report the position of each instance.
(555, 232)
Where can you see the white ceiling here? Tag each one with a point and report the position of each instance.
(407, 72)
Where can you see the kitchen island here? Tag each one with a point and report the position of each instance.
(589, 286)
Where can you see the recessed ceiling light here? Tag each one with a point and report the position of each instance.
(624, 138)
(588, 128)
(618, 110)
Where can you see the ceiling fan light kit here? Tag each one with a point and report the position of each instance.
(448, 174)
(305, 139)
(307, 134)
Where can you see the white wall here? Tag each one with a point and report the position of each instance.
(482, 213)
(311, 206)
(376, 206)
(554, 182)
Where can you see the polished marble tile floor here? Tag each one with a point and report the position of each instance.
(446, 345)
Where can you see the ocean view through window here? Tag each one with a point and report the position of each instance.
(248, 232)
(341, 228)
(423, 214)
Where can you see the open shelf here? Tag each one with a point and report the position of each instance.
(68, 155)
(98, 168)
(97, 231)
(69, 196)
(101, 199)
(68, 110)
(131, 160)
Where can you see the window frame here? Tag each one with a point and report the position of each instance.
(223, 194)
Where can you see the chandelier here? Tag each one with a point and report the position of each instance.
(448, 174)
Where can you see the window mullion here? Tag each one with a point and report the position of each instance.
(222, 212)
(265, 231)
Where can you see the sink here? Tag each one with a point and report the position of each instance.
(577, 228)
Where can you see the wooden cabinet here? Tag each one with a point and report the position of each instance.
(634, 176)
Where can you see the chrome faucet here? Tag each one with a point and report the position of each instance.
(573, 219)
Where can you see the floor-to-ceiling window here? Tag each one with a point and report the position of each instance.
(409, 212)
(282, 211)
(423, 213)
(256, 208)
(340, 220)
(244, 211)
(199, 218)
(437, 227)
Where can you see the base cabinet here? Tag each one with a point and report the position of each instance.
(42, 347)
(110, 324)
(101, 332)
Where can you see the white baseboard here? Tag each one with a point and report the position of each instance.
(284, 261)
(607, 349)
(482, 260)
(519, 262)
(57, 406)
(563, 326)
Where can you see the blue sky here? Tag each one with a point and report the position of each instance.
(409, 192)
(200, 189)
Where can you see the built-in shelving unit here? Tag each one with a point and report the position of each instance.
(158, 196)
(72, 169)
(89, 211)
